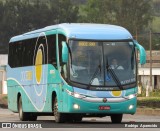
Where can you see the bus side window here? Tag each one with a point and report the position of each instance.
(18, 54)
(52, 58)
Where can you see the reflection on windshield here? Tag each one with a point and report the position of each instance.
(89, 61)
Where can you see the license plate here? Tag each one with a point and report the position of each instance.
(104, 108)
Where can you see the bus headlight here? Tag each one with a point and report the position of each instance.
(77, 95)
(131, 96)
(74, 94)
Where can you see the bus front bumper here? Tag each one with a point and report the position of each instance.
(101, 105)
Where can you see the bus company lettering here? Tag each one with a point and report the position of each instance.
(26, 75)
(128, 81)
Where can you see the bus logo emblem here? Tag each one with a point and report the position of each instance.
(104, 100)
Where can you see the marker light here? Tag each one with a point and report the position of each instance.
(130, 107)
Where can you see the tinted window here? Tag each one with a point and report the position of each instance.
(52, 50)
(23, 53)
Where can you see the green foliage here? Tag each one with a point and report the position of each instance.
(98, 11)
(153, 102)
(131, 14)
(5, 97)
(19, 16)
(154, 93)
(156, 4)
(143, 93)
(64, 11)
(134, 15)
(156, 24)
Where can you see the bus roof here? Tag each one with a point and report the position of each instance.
(82, 31)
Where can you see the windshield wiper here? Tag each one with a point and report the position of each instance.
(94, 75)
(114, 76)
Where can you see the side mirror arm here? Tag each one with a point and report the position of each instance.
(141, 51)
(64, 52)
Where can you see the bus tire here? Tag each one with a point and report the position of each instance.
(116, 118)
(22, 115)
(59, 117)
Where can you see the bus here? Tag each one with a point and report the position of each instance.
(65, 70)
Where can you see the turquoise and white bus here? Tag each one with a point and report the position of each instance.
(66, 70)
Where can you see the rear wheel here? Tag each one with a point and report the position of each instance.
(59, 117)
(22, 115)
(116, 118)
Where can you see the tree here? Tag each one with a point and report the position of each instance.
(135, 15)
(20, 16)
(98, 11)
(131, 14)
(63, 11)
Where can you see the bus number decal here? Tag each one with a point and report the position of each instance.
(84, 43)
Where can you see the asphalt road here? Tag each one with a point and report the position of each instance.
(92, 124)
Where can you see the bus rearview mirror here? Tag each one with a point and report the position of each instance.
(141, 52)
(64, 52)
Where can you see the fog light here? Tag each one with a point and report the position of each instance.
(76, 106)
(130, 107)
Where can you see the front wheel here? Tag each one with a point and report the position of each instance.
(116, 118)
(59, 117)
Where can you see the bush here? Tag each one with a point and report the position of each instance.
(155, 93)
(152, 102)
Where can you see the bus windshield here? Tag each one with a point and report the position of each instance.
(101, 64)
